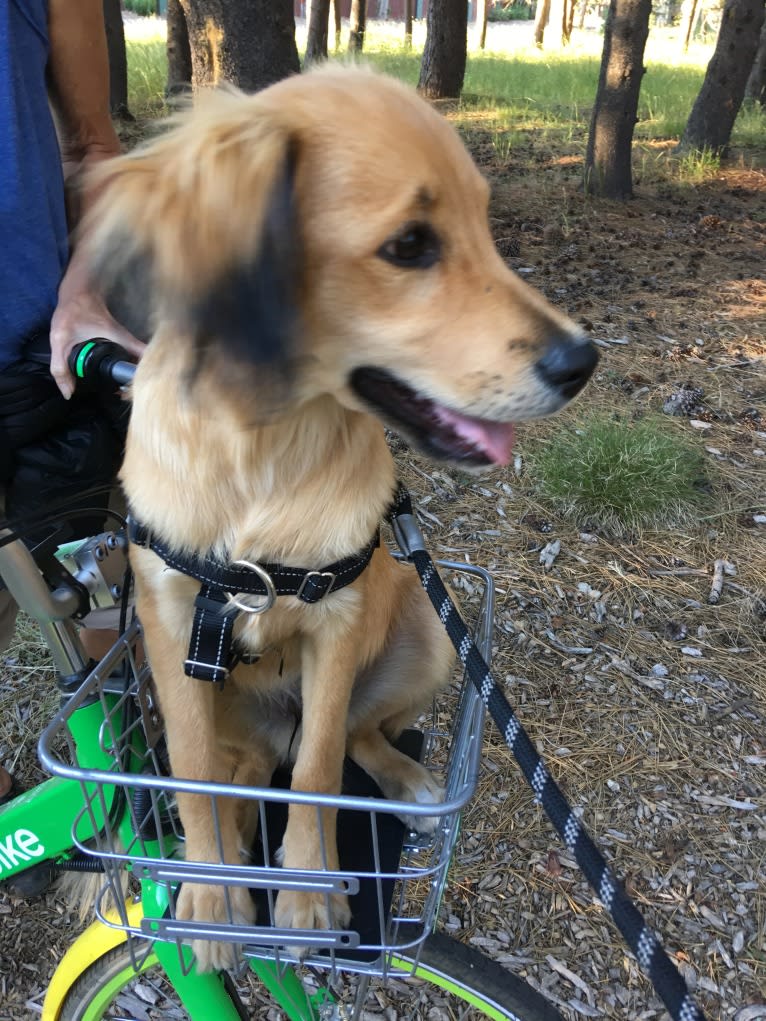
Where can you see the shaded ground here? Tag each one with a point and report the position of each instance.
(648, 702)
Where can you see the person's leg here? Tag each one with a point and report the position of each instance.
(7, 788)
(8, 611)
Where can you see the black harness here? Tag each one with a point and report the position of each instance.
(212, 652)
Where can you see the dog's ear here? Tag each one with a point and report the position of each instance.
(199, 232)
(252, 304)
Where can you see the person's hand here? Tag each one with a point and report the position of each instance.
(82, 315)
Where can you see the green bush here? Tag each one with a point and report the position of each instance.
(518, 11)
(142, 7)
(619, 475)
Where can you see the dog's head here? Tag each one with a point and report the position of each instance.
(330, 236)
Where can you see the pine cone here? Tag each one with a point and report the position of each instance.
(509, 248)
(685, 402)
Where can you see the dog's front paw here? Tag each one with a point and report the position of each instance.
(298, 910)
(199, 903)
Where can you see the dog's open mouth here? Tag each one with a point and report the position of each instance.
(437, 430)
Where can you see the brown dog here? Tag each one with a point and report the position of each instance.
(316, 261)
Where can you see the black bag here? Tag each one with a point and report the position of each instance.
(52, 451)
(31, 405)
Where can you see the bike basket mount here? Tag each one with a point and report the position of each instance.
(394, 878)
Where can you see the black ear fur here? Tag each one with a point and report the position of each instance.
(250, 313)
(128, 293)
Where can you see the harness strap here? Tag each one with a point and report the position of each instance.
(211, 655)
(210, 645)
(309, 585)
(652, 958)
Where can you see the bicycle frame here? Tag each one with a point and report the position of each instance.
(36, 826)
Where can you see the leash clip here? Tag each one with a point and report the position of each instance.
(408, 535)
(265, 577)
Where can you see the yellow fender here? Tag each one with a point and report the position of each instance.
(97, 940)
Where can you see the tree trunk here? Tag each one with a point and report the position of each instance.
(316, 41)
(250, 43)
(443, 66)
(337, 21)
(688, 17)
(717, 105)
(571, 7)
(542, 15)
(408, 5)
(118, 61)
(755, 90)
(608, 157)
(358, 26)
(557, 23)
(482, 16)
(179, 51)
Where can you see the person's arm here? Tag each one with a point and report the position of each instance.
(79, 91)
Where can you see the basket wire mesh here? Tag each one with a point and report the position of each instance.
(393, 875)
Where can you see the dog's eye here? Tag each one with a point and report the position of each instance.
(416, 246)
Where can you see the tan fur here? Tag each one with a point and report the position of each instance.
(211, 463)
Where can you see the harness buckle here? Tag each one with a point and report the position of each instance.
(265, 577)
(317, 574)
(138, 534)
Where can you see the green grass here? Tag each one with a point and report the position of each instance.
(522, 90)
(147, 74)
(620, 476)
(696, 167)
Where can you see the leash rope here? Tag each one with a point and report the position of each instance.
(652, 958)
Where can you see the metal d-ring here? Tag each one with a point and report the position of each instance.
(271, 592)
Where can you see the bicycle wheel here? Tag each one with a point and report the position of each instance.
(455, 981)
(111, 989)
(451, 981)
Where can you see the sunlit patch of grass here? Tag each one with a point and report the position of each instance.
(619, 475)
(527, 89)
(698, 166)
(147, 75)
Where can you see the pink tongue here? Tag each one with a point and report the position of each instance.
(495, 439)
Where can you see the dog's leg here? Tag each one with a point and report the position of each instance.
(329, 665)
(392, 693)
(197, 753)
(399, 777)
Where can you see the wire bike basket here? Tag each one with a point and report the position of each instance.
(393, 876)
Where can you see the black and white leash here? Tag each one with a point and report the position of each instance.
(652, 958)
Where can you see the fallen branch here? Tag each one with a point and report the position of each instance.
(720, 568)
(677, 572)
(573, 650)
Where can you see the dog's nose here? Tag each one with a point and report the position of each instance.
(567, 364)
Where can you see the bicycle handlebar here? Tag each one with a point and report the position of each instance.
(100, 361)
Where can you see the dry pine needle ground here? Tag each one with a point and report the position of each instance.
(647, 700)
